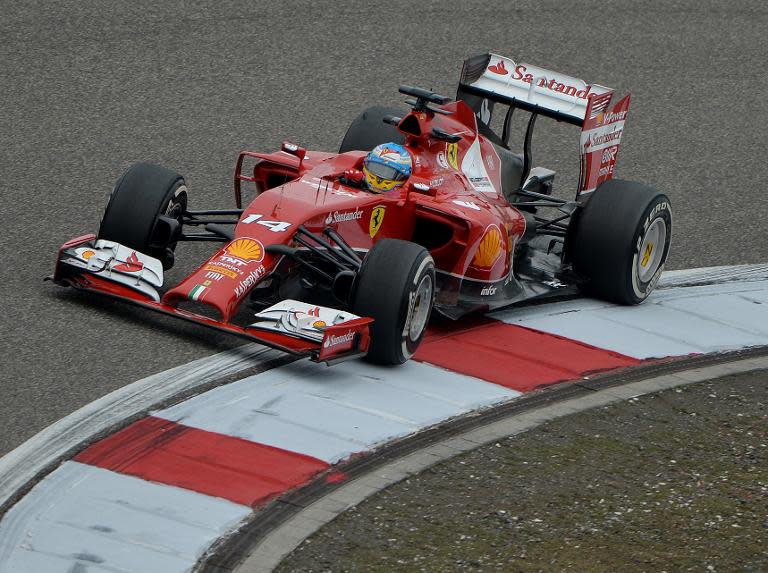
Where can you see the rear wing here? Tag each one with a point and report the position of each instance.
(489, 79)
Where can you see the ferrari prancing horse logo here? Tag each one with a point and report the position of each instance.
(377, 218)
(452, 151)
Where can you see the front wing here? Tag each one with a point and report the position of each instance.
(110, 269)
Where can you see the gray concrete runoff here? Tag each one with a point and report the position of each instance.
(279, 542)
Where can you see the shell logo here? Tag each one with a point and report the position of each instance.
(490, 248)
(600, 117)
(246, 249)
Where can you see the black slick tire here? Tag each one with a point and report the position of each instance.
(395, 287)
(369, 130)
(622, 241)
(144, 193)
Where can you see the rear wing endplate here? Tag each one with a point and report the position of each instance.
(600, 140)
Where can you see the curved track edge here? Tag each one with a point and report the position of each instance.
(229, 447)
(284, 524)
(21, 468)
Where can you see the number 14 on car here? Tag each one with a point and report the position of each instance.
(274, 226)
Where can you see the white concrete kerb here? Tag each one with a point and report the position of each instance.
(280, 542)
(399, 409)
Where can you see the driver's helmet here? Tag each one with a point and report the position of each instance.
(386, 167)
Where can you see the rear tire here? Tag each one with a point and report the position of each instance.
(622, 241)
(395, 287)
(369, 130)
(144, 193)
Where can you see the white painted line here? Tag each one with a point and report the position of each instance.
(332, 413)
(21, 465)
(83, 518)
(672, 322)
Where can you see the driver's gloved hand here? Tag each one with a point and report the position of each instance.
(353, 177)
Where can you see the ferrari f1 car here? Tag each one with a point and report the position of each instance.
(317, 265)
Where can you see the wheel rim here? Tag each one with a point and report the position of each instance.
(421, 306)
(175, 210)
(651, 252)
(177, 204)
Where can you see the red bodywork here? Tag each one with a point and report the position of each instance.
(453, 205)
(437, 192)
(465, 222)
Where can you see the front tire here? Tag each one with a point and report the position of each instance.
(395, 287)
(145, 211)
(622, 241)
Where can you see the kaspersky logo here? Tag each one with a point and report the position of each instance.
(245, 285)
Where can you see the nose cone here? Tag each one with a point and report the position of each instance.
(226, 278)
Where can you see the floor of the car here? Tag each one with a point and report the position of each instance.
(540, 260)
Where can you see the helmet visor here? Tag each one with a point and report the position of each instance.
(385, 171)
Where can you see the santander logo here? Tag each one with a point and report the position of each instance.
(343, 216)
(132, 265)
(521, 74)
(499, 68)
(332, 340)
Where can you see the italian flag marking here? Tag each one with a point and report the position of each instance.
(197, 292)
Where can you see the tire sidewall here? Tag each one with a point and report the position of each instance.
(606, 235)
(660, 208)
(385, 290)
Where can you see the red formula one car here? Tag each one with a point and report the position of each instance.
(317, 264)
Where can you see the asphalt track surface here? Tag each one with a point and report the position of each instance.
(87, 88)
